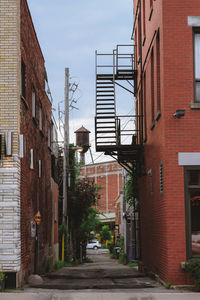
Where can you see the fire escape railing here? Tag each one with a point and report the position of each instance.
(119, 134)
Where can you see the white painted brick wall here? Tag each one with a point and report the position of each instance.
(10, 244)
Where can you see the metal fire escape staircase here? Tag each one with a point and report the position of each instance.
(111, 135)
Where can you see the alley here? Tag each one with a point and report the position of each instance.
(101, 273)
(102, 279)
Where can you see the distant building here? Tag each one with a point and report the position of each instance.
(26, 150)
(108, 175)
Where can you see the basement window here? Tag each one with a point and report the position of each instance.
(192, 197)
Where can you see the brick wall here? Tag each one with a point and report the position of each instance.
(108, 175)
(163, 236)
(35, 189)
(10, 246)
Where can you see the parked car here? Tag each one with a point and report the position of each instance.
(94, 244)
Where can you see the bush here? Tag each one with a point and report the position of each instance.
(113, 256)
(111, 247)
(192, 266)
(60, 264)
(122, 258)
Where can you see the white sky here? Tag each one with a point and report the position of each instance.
(69, 32)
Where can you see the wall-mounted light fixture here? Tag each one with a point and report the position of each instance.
(179, 113)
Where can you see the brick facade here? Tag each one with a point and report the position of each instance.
(25, 175)
(10, 245)
(108, 175)
(168, 85)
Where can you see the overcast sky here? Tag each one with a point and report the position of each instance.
(69, 32)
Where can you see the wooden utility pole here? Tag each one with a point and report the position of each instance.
(66, 155)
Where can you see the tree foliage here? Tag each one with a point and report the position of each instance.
(131, 189)
(105, 233)
(82, 216)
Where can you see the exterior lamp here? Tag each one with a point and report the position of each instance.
(179, 113)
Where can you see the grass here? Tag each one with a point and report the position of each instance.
(133, 264)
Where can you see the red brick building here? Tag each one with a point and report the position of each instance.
(28, 157)
(39, 191)
(108, 175)
(163, 153)
(167, 58)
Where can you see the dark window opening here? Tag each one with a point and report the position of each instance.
(152, 85)
(144, 21)
(158, 70)
(193, 212)
(161, 178)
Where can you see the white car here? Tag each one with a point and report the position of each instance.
(94, 244)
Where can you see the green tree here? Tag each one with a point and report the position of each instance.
(105, 233)
(82, 217)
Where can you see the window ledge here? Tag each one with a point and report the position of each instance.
(195, 105)
(151, 12)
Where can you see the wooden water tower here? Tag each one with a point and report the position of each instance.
(82, 140)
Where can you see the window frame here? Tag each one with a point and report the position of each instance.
(33, 104)
(188, 220)
(196, 30)
(23, 79)
(40, 117)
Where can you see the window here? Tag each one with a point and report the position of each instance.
(33, 103)
(192, 178)
(158, 70)
(145, 109)
(8, 143)
(197, 66)
(23, 79)
(39, 168)
(151, 9)
(49, 136)
(144, 25)
(31, 159)
(161, 177)
(40, 117)
(21, 145)
(152, 85)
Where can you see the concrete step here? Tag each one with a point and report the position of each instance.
(101, 283)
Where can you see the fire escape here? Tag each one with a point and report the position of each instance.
(124, 143)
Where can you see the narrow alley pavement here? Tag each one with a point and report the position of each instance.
(102, 279)
(101, 273)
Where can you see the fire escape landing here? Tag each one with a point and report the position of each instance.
(122, 142)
